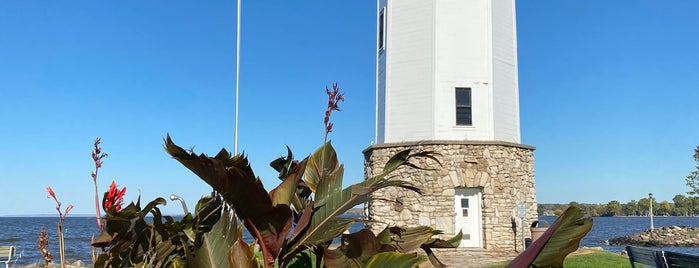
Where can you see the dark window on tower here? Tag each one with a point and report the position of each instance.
(382, 28)
(463, 107)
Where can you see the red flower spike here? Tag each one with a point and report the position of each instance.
(115, 197)
(334, 97)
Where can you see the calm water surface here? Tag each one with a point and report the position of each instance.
(23, 232)
(606, 228)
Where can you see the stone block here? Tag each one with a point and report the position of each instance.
(424, 220)
(444, 223)
(448, 192)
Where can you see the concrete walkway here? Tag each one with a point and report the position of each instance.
(470, 258)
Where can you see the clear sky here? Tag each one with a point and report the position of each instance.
(608, 93)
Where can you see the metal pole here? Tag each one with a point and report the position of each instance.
(237, 79)
(650, 209)
(174, 197)
(524, 241)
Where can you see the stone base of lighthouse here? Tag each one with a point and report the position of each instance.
(476, 189)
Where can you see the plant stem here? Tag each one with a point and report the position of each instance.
(97, 204)
(61, 244)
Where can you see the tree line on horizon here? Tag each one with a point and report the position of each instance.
(681, 205)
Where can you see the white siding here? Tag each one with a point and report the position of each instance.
(434, 46)
(462, 50)
(380, 79)
(505, 88)
(410, 57)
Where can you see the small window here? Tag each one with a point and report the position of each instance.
(464, 202)
(382, 28)
(463, 107)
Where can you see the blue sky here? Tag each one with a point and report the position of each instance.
(608, 92)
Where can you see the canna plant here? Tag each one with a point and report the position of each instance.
(293, 225)
(61, 220)
(294, 229)
(97, 155)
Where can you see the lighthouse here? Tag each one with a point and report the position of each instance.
(446, 82)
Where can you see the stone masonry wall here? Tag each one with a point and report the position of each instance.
(503, 171)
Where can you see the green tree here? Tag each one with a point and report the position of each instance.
(682, 205)
(693, 202)
(692, 179)
(630, 208)
(643, 206)
(613, 208)
(597, 210)
(664, 208)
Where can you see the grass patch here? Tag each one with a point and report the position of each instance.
(595, 259)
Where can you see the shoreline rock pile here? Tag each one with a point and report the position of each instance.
(674, 236)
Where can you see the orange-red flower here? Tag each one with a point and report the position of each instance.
(51, 193)
(114, 197)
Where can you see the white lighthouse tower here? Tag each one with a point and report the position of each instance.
(447, 70)
(447, 82)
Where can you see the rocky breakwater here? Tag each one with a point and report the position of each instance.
(673, 236)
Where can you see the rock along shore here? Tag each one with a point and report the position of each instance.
(675, 236)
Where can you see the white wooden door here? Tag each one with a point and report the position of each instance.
(467, 205)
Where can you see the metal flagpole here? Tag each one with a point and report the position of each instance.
(237, 79)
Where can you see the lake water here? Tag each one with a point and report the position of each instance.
(606, 228)
(23, 232)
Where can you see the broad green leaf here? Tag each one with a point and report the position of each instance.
(284, 193)
(395, 260)
(305, 259)
(360, 246)
(321, 164)
(337, 258)
(240, 255)
(303, 222)
(451, 243)
(436, 263)
(282, 164)
(327, 229)
(233, 178)
(332, 201)
(410, 239)
(561, 238)
(396, 161)
(402, 158)
(208, 213)
(133, 240)
(565, 239)
(213, 249)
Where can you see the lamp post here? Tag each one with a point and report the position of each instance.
(650, 209)
(174, 197)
